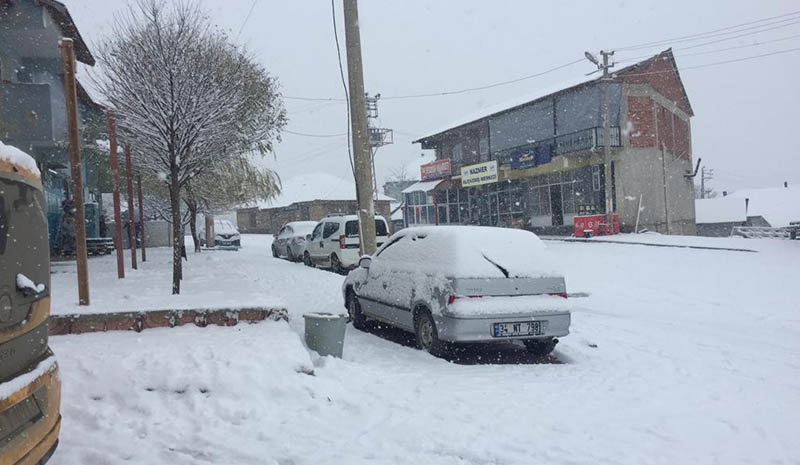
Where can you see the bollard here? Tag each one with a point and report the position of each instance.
(325, 333)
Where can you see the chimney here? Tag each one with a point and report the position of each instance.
(786, 184)
(724, 193)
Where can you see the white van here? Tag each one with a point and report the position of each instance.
(335, 243)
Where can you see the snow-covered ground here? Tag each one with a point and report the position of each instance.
(676, 356)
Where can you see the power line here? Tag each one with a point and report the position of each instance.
(754, 44)
(704, 35)
(305, 134)
(344, 86)
(488, 86)
(247, 18)
(716, 63)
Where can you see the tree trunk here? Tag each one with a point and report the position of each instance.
(177, 229)
(193, 226)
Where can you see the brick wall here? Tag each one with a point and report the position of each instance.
(640, 114)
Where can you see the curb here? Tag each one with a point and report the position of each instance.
(649, 244)
(79, 323)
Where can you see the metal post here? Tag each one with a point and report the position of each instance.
(664, 170)
(71, 100)
(607, 143)
(703, 183)
(358, 122)
(131, 215)
(141, 214)
(638, 213)
(112, 138)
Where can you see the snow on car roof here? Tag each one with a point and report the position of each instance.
(303, 226)
(479, 251)
(224, 227)
(15, 156)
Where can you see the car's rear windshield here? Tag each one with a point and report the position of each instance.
(351, 228)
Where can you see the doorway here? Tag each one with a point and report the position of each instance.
(556, 207)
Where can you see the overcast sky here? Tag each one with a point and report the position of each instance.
(746, 120)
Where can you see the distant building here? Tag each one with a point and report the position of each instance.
(32, 105)
(717, 217)
(538, 162)
(308, 197)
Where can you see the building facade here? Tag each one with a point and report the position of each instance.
(538, 164)
(257, 220)
(32, 104)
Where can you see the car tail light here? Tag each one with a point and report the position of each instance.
(559, 294)
(453, 298)
(342, 245)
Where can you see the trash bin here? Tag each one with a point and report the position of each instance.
(325, 333)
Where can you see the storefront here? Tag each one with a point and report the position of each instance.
(508, 198)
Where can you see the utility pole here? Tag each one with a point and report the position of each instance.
(131, 215)
(378, 137)
(358, 123)
(606, 81)
(705, 173)
(112, 138)
(141, 214)
(71, 100)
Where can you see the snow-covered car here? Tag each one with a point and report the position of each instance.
(462, 284)
(335, 242)
(290, 242)
(225, 235)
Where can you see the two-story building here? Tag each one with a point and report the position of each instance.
(538, 162)
(32, 104)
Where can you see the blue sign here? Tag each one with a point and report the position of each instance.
(529, 157)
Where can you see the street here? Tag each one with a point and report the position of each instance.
(675, 356)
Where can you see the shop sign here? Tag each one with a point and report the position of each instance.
(435, 170)
(481, 173)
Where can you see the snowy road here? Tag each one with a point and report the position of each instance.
(676, 356)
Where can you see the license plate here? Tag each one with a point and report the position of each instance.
(522, 328)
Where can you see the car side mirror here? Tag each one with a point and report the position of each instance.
(308, 237)
(364, 262)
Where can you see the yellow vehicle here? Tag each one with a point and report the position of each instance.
(30, 389)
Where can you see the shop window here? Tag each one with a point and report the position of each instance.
(596, 178)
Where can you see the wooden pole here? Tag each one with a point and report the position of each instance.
(112, 138)
(71, 100)
(141, 213)
(358, 122)
(131, 215)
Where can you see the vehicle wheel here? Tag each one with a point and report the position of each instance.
(307, 260)
(354, 311)
(427, 335)
(336, 265)
(274, 252)
(540, 347)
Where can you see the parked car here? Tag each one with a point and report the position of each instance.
(335, 243)
(462, 284)
(290, 242)
(225, 234)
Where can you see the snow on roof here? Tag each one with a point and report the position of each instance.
(13, 155)
(778, 205)
(424, 186)
(477, 252)
(314, 186)
(720, 210)
(509, 104)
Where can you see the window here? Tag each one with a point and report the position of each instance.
(317, 232)
(483, 148)
(457, 153)
(596, 178)
(330, 229)
(351, 228)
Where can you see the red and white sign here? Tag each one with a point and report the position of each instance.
(435, 170)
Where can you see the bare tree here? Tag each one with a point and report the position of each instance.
(239, 182)
(185, 97)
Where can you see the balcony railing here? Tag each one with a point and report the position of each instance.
(586, 139)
